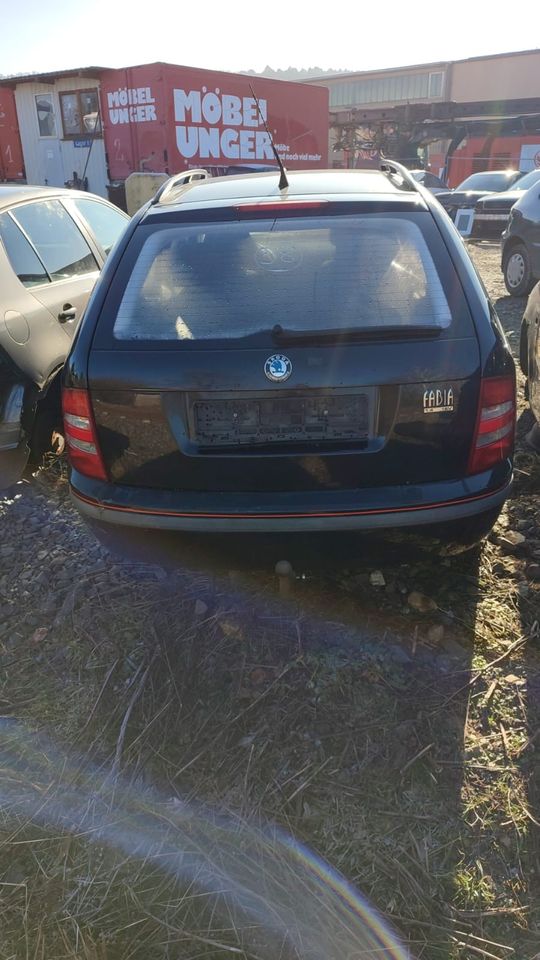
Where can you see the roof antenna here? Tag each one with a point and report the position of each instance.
(283, 182)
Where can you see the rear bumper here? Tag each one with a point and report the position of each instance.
(367, 509)
(488, 225)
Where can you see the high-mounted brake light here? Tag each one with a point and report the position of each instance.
(81, 435)
(283, 206)
(494, 434)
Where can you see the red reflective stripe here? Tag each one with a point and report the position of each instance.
(282, 516)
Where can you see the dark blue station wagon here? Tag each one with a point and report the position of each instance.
(317, 358)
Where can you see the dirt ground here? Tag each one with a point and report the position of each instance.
(383, 711)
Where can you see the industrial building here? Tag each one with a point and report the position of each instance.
(454, 117)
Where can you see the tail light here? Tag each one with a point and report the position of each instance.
(81, 437)
(494, 434)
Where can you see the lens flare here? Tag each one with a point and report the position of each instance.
(283, 899)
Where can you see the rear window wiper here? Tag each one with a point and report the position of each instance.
(382, 332)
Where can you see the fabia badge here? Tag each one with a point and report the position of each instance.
(439, 400)
(278, 367)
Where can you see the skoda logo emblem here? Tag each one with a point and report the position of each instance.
(278, 367)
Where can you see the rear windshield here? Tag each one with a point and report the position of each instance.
(497, 182)
(525, 183)
(233, 280)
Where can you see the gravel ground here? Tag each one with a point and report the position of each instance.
(385, 713)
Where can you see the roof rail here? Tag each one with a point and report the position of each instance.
(398, 174)
(179, 180)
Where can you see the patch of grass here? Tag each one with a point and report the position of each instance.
(473, 889)
(358, 754)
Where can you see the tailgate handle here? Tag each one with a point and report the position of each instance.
(68, 312)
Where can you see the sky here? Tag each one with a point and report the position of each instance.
(41, 35)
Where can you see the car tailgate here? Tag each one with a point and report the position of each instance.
(354, 415)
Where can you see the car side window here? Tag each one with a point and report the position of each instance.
(105, 222)
(21, 254)
(57, 239)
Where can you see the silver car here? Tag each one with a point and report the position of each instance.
(529, 357)
(53, 244)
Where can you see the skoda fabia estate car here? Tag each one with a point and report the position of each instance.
(319, 357)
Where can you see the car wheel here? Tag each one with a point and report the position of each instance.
(518, 278)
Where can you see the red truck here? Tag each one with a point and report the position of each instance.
(163, 118)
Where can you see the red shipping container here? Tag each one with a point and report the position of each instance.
(163, 118)
(11, 156)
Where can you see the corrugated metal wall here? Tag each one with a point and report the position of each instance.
(52, 159)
